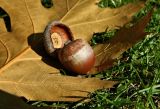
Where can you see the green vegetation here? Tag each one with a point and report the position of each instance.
(102, 37)
(113, 3)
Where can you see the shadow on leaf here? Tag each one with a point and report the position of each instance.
(9, 101)
(37, 45)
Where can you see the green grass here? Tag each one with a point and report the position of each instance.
(113, 3)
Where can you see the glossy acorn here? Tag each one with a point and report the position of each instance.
(75, 55)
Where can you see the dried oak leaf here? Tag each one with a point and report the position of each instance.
(87, 18)
(106, 54)
(23, 71)
(27, 17)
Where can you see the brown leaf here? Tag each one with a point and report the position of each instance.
(28, 17)
(87, 18)
(62, 7)
(50, 87)
(27, 71)
(35, 80)
(106, 54)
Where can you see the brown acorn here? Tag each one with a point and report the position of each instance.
(77, 56)
(56, 35)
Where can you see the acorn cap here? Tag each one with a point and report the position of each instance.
(56, 35)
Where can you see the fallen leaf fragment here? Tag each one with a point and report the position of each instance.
(106, 54)
(49, 86)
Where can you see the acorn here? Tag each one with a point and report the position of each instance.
(75, 55)
(56, 35)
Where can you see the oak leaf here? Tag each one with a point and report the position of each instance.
(87, 18)
(26, 69)
(28, 17)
